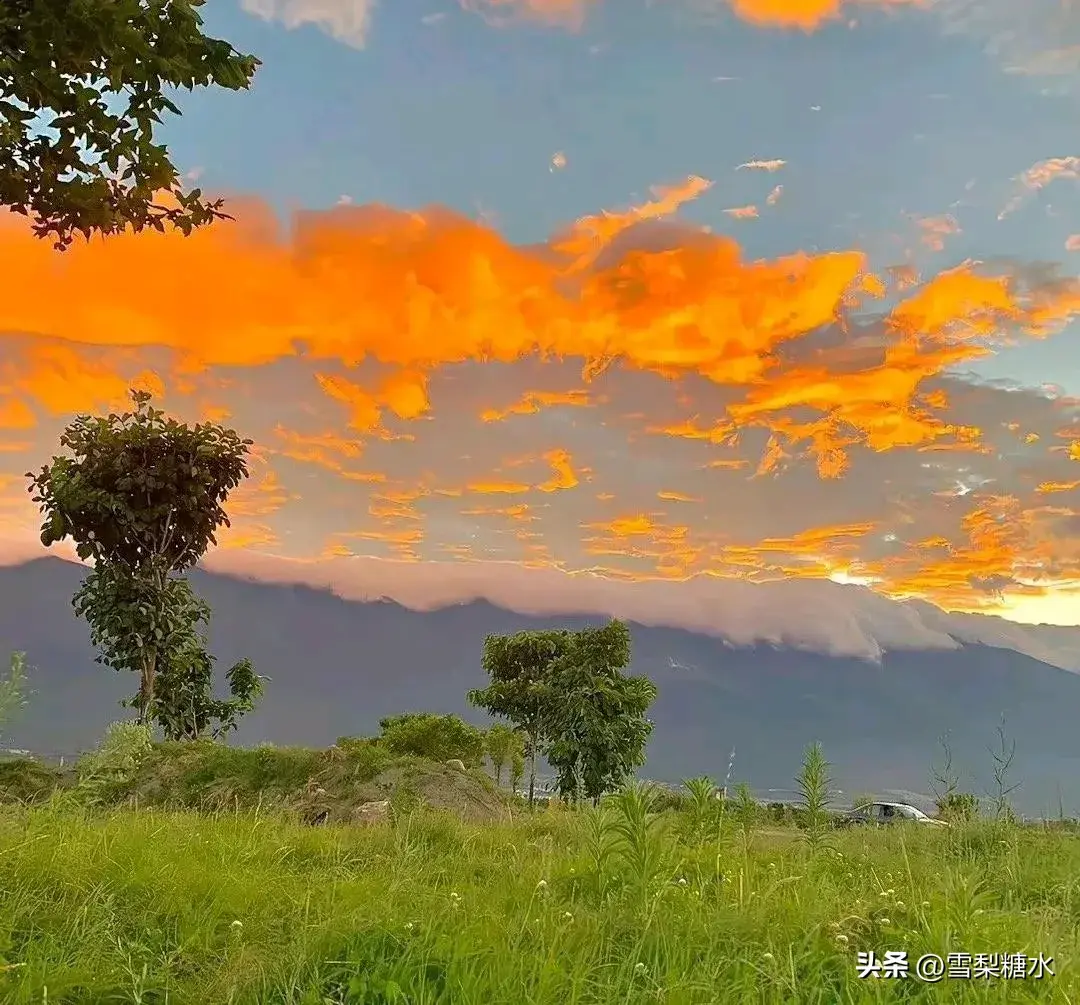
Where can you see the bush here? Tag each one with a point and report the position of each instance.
(366, 756)
(432, 736)
(958, 806)
(24, 780)
(115, 763)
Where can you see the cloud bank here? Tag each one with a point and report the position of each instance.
(632, 399)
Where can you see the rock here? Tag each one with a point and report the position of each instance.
(369, 813)
(455, 763)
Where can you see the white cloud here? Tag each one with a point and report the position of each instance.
(1036, 37)
(813, 615)
(345, 20)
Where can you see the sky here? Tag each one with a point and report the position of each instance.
(578, 294)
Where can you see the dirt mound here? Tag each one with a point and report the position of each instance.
(320, 786)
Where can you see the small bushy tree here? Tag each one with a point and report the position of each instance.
(432, 736)
(502, 743)
(564, 692)
(142, 496)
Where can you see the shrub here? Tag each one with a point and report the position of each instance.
(114, 764)
(432, 736)
(366, 756)
(24, 780)
(958, 806)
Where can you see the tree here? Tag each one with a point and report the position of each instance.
(82, 86)
(501, 742)
(599, 728)
(521, 668)
(13, 689)
(142, 496)
(432, 736)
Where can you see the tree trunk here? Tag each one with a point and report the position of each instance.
(146, 686)
(532, 773)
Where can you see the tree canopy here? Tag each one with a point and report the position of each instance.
(140, 489)
(83, 84)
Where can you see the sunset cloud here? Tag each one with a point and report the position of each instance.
(634, 399)
(803, 14)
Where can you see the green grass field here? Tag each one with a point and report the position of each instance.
(697, 904)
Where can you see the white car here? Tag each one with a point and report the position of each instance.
(887, 813)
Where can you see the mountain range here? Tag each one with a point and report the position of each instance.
(337, 665)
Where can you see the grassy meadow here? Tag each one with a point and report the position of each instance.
(192, 881)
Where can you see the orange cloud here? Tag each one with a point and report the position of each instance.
(358, 331)
(16, 414)
(565, 13)
(403, 393)
(934, 230)
(532, 401)
(804, 14)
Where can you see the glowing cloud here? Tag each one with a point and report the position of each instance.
(701, 415)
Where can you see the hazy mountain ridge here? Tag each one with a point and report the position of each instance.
(338, 665)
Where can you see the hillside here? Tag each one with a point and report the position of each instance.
(338, 666)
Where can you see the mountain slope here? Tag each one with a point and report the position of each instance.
(337, 666)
